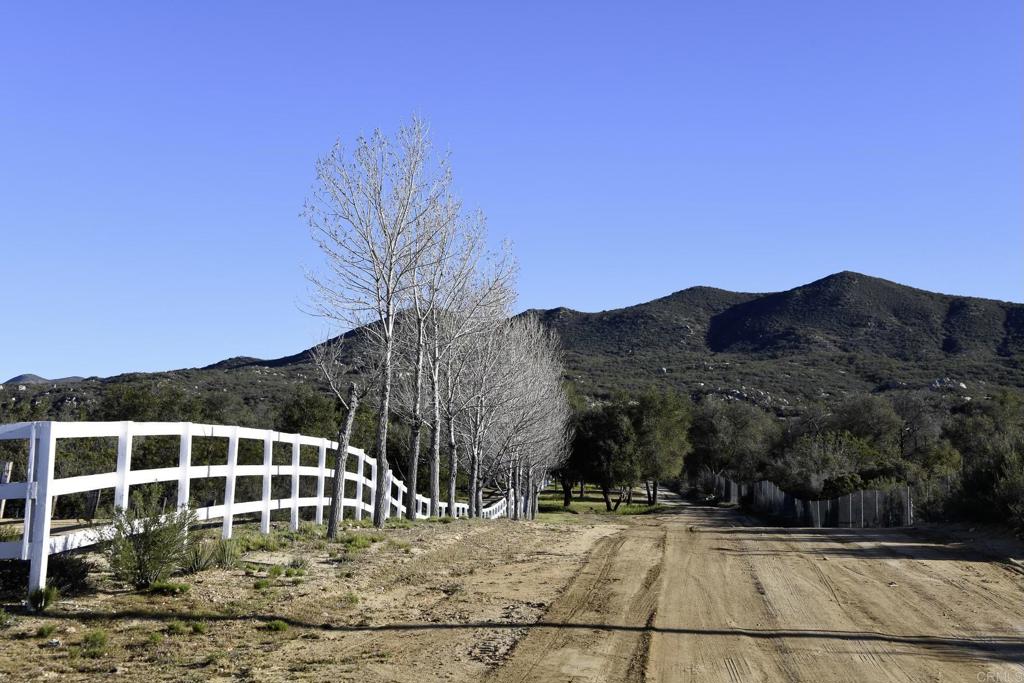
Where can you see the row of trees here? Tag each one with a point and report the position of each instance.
(963, 459)
(408, 270)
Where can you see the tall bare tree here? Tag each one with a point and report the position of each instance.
(366, 213)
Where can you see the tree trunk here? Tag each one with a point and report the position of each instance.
(647, 487)
(381, 502)
(528, 512)
(473, 471)
(566, 492)
(453, 467)
(435, 449)
(340, 462)
(606, 493)
(517, 485)
(417, 427)
(618, 502)
(655, 501)
(583, 489)
(629, 495)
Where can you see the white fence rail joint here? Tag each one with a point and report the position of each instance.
(41, 486)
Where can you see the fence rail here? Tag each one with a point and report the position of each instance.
(42, 487)
(859, 509)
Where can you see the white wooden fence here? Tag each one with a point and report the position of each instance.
(42, 487)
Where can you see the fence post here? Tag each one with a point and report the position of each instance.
(268, 460)
(40, 548)
(296, 451)
(322, 465)
(184, 465)
(229, 483)
(124, 464)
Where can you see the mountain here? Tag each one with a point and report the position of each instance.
(842, 334)
(36, 379)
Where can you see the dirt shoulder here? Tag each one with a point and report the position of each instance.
(429, 602)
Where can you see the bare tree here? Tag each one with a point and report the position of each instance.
(365, 214)
(328, 359)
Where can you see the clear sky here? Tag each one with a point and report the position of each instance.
(154, 157)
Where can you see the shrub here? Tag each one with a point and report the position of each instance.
(198, 627)
(227, 553)
(350, 599)
(69, 573)
(261, 584)
(41, 598)
(155, 638)
(276, 625)
(275, 572)
(94, 644)
(299, 563)
(168, 588)
(46, 630)
(177, 628)
(143, 546)
(199, 556)
(6, 619)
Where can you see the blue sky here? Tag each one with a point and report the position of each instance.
(154, 158)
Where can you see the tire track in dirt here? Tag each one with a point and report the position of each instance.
(578, 636)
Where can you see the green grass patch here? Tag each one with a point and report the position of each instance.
(46, 630)
(276, 625)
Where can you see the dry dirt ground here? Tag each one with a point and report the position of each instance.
(689, 594)
(700, 594)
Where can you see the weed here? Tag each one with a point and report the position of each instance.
(275, 572)
(155, 638)
(143, 545)
(199, 556)
(261, 584)
(198, 627)
(299, 563)
(276, 625)
(46, 630)
(41, 598)
(350, 599)
(400, 545)
(227, 553)
(177, 628)
(94, 644)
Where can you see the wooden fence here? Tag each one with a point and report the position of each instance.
(42, 487)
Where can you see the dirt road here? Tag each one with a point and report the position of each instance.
(701, 595)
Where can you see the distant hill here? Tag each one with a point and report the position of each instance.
(842, 334)
(36, 379)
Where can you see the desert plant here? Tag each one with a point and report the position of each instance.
(199, 556)
(177, 628)
(227, 553)
(94, 643)
(46, 630)
(41, 598)
(198, 627)
(144, 546)
(261, 584)
(276, 625)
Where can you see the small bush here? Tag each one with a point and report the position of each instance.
(199, 556)
(68, 572)
(261, 584)
(177, 628)
(168, 588)
(291, 571)
(299, 563)
(155, 638)
(142, 545)
(94, 644)
(275, 572)
(276, 625)
(198, 627)
(350, 599)
(41, 598)
(6, 619)
(227, 553)
(46, 630)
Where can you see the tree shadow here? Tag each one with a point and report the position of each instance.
(1002, 647)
